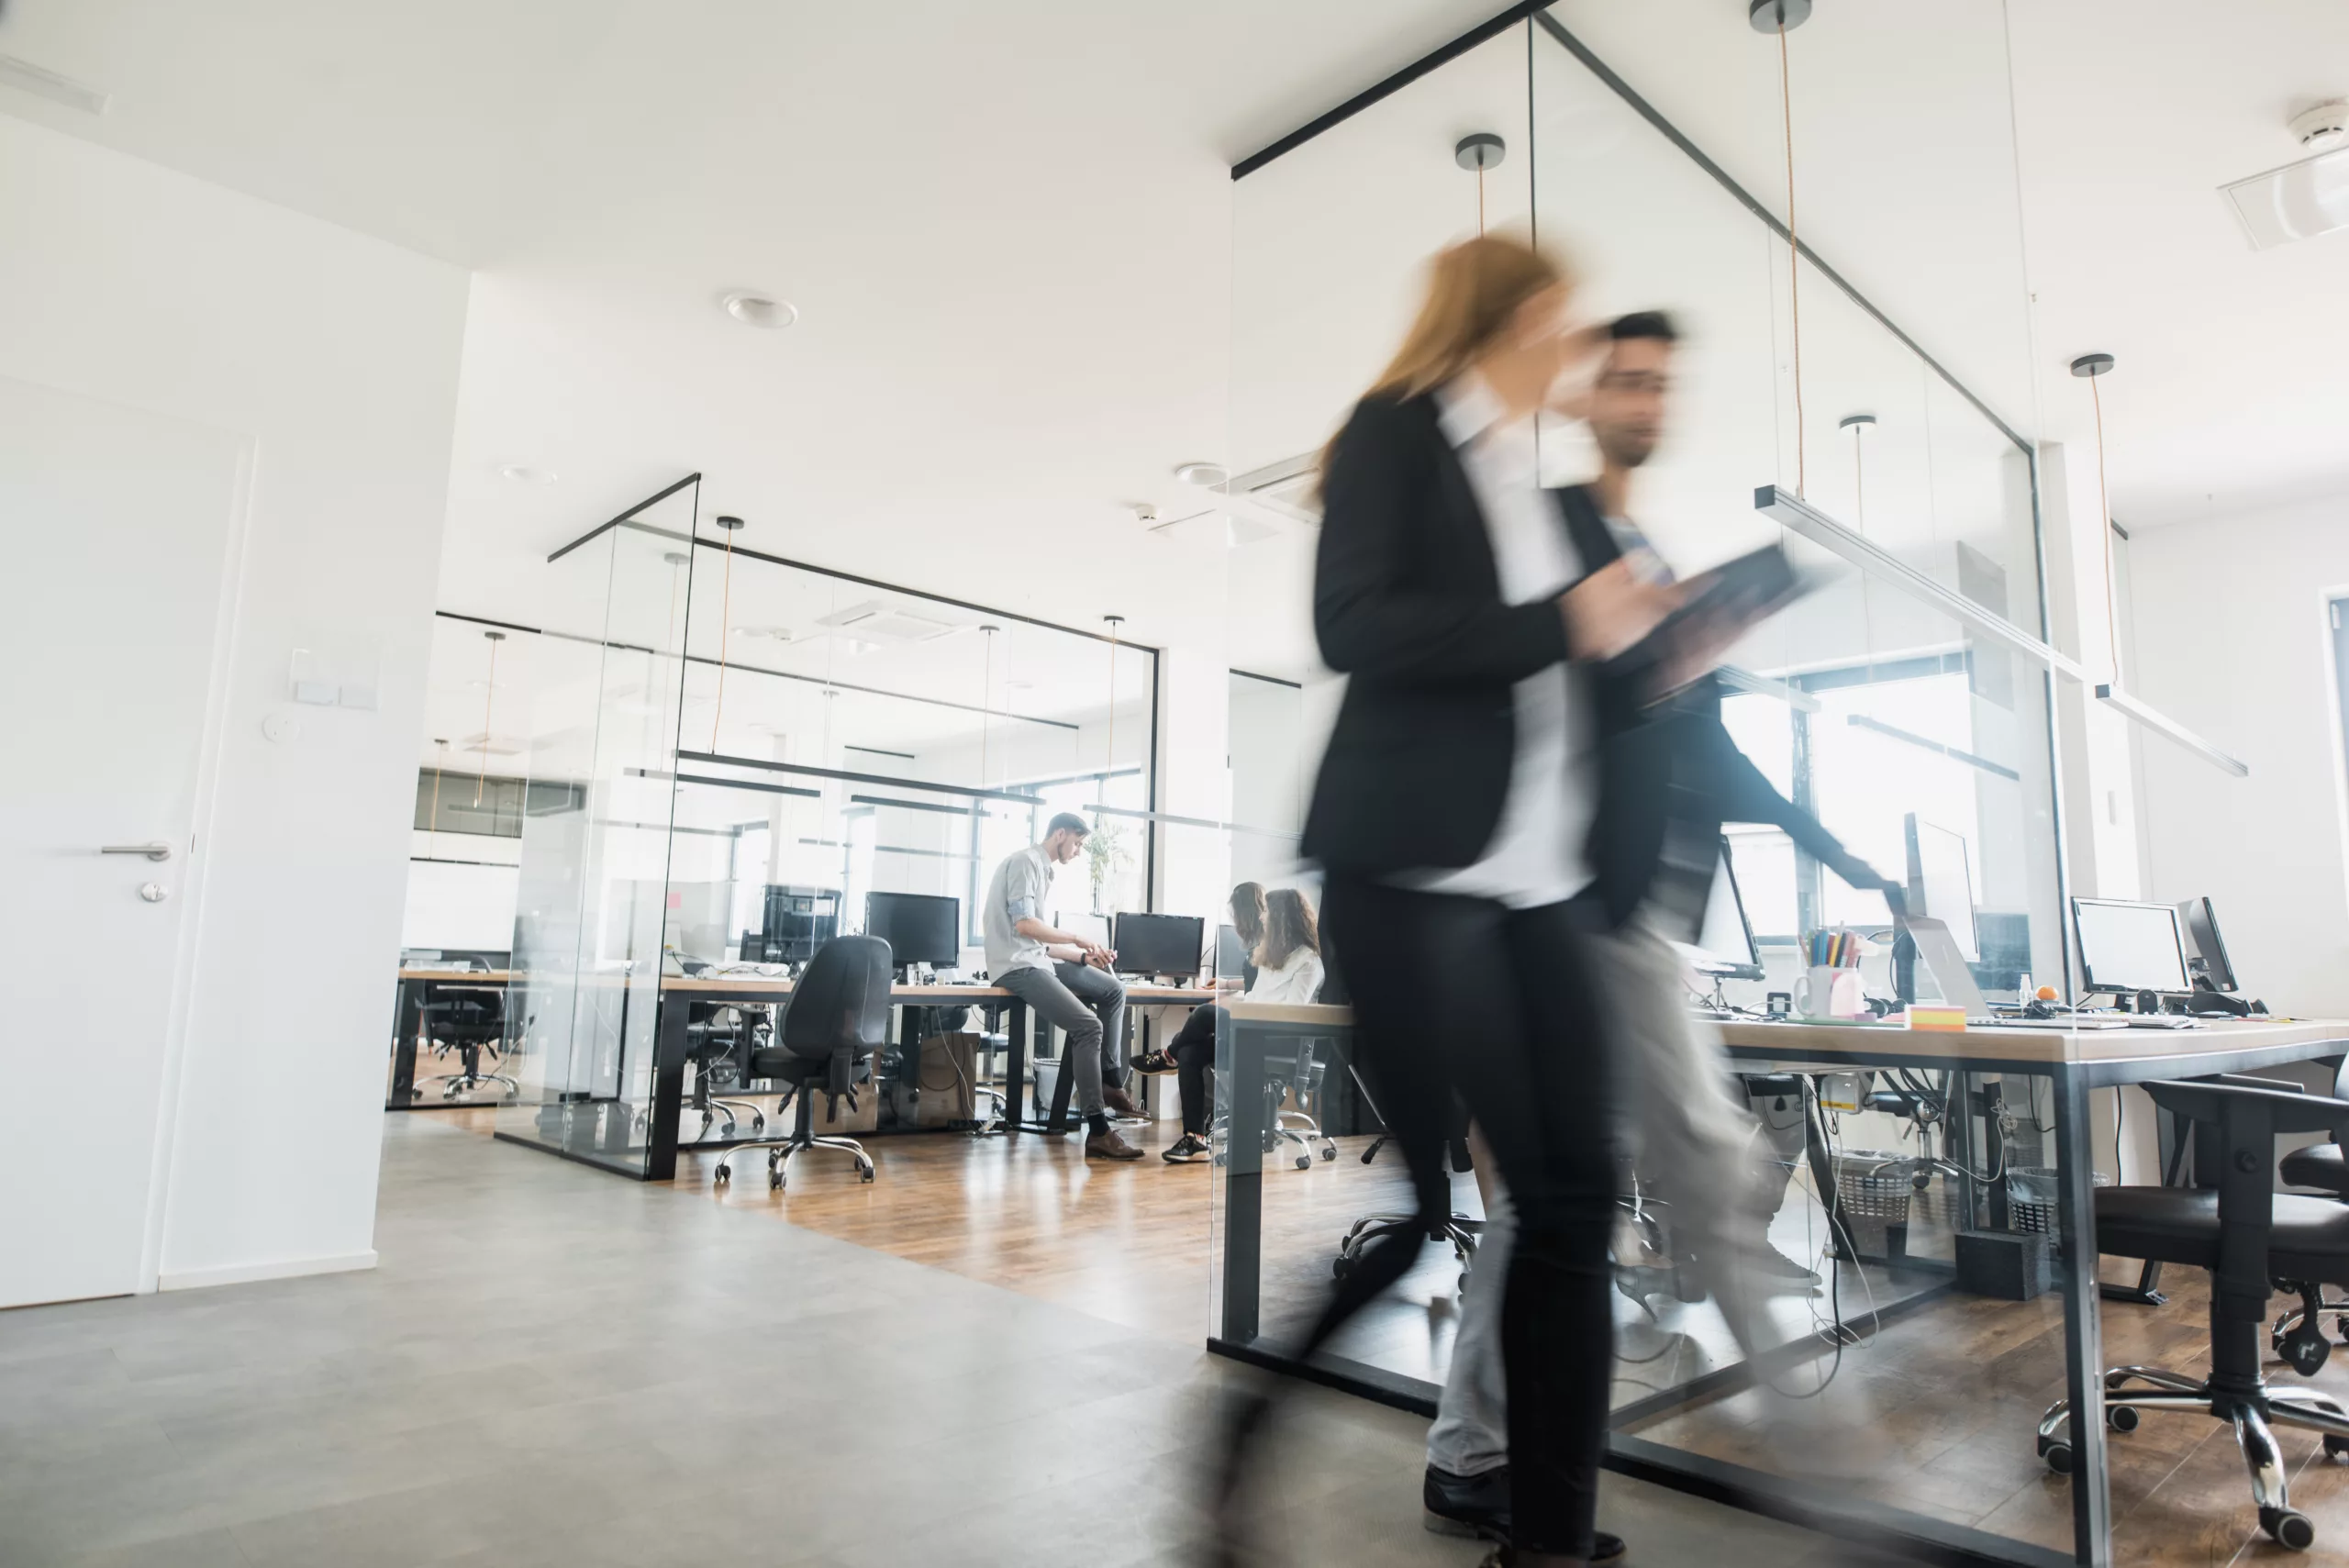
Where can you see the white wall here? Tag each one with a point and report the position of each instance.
(2232, 642)
(337, 355)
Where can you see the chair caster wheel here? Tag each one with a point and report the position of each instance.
(2336, 1448)
(758, 1124)
(2304, 1350)
(1329, 1151)
(864, 1175)
(1341, 1266)
(725, 1174)
(2287, 1527)
(1305, 1162)
(775, 1181)
(2120, 1418)
(2058, 1456)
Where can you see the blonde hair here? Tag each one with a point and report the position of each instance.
(1474, 289)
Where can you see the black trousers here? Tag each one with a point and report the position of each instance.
(1461, 995)
(1193, 1049)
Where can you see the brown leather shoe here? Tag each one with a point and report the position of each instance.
(1109, 1145)
(1120, 1102)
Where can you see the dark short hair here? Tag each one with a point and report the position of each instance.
(1654, 324)
(1071, 822)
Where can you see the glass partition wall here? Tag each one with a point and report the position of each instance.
(1877, 440)
(726, 747)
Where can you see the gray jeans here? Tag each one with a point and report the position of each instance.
(1090, 1007)
(1692, 1143)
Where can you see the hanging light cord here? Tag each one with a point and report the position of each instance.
(1794, 249)
(1480, 196)
(2104, 523)
(725, 618)
(488, 706)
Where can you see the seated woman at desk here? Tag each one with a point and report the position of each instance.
(1285, 966)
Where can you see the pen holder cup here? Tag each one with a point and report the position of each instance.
(1826, 992)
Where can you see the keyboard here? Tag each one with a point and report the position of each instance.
(2161, 1021)
(2088, 1022)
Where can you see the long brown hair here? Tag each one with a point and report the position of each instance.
(1474, 290)
(1288, 926)
(1248, 914)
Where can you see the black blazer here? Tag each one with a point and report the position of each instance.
(1407, 601)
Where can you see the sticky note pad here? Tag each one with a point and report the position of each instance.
(1945, 1019)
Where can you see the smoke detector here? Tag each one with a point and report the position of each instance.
(2323, 128)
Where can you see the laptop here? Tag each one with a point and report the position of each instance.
(1943, 960)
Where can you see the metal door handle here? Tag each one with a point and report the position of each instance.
(152, 851)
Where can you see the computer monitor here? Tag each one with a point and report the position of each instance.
(796, 921)
(1231, 953)
(1159, 944)
(1725, 947)
(2206, 955)
(920, 927)
(1941, 883)
(2126, 946)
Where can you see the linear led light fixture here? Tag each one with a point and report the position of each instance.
(2114, 697)
(43, 83)
(1795, 513)
(1738, 679)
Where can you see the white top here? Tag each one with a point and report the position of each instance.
(1296, 981)
(1536, 855)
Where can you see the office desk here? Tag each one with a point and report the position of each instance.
(2074, 1062)
(678, 992)
(416, 987)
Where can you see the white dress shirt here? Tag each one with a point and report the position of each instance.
(1537, 853)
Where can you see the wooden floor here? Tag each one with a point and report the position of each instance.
(1935, 1415)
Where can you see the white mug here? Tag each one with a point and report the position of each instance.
(1825, 992)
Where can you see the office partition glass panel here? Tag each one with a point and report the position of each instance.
(594, 915)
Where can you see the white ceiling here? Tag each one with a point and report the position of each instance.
(1009, 232)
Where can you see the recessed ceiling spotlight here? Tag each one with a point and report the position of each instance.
(761, 310)
(521, 473)
(1203, 475)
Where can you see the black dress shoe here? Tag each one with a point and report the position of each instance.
(1478, 1506)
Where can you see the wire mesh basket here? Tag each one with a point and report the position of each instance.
(2032, 1196)
(1873, 1192)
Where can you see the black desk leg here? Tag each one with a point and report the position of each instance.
(669, 1051)
(2083, 1333)
(409, 1011)
(1244, 1183)
(1015, 1070)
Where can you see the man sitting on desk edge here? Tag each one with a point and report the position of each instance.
(1065, 979)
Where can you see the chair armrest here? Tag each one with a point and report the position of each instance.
(2288, 1108)
(2243, 1080)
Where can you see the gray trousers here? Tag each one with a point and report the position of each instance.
(1698, 1153)
(1090, 1007)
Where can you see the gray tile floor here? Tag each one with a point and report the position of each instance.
(555, 1366)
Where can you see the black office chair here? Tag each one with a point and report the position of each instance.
(837, 1018)
(1302, 1070)
(2298, 1334)
(468, 1023)
(720, 1040)
(2248, 1237)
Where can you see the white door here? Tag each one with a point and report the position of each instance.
(116, 527)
